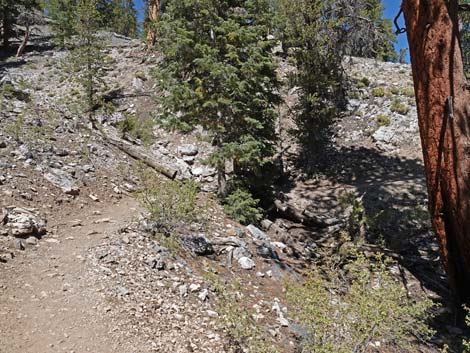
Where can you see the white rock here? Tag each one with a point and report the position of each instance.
(246, 263)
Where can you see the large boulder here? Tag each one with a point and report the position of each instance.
(62, 180)
(23, 222)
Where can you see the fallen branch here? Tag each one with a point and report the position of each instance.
(139, 155)
(295, 215)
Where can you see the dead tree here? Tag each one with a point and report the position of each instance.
(443, 103)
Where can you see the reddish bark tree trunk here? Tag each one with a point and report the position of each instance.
(24, 43)
(153, 7)
(443, 103)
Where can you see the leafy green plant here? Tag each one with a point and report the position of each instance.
(409, 92)
(219, 72)
(86, 62)
(244, 332)
(137, 128)
(365, 81)
(383, 119)
(15, 129)
(395, 90)
(399, 107)
(378, 92)
(170, 203)
(241, 206)
(357, 220)
(8, 91)
(346, 305)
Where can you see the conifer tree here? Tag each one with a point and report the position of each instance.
(62, 13)
(369, 34)
(219, 72)
(124, 18)
(86, 59)
(313, 32)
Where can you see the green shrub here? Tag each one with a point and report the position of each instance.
(346, 306)
(395, 90)
(170, 203)
(409, 92)
(245, 333)
(354, 95)
(141, 75)
(365, 81)
(241, 206)
(383, 119)
(137, 128)
(8, 91)
(378, 92)
(15, 129)
(399, 107)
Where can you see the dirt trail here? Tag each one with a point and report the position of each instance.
(47, 303)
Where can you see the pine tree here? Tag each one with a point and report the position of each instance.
(369, 34)
(62, 12)
(314, 33)
(219, 72)
(86, 59)
(124, 18)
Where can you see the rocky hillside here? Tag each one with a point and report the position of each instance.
(81, 270)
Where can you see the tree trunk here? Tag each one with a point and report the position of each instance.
(7, 30)
(153, 7)
(22, 47)
(443, 103)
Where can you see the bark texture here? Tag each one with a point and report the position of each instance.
(443, 103)
(153, 10)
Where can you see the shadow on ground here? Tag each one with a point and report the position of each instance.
(393, 191)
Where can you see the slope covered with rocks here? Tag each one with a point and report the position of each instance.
(80, 268)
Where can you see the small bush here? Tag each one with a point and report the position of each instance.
(409, 92)
(383, 119)
(378, 92)
(170, 203)
(15, 129)
(8, 91)
(141, 75)
(241, 206)
(395, 90)
(138, 129)
(244, 332)
(354, 95)
(399, 107)
(345, 306)
(365, 81)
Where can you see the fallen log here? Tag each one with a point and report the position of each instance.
(140, 155)
(293, 214)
